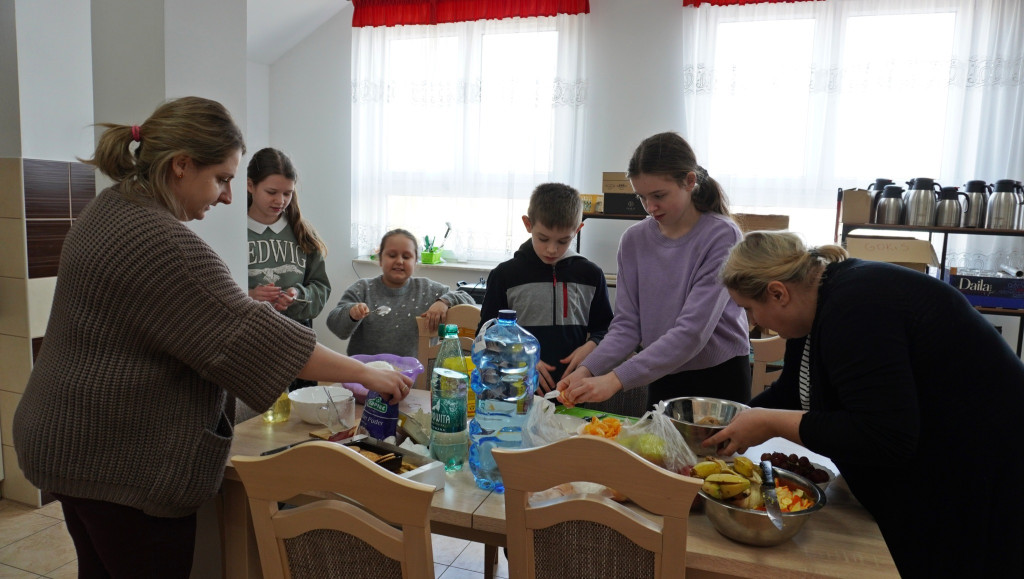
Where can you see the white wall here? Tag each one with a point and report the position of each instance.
(257, 123)
(10, 110)
(54, 79)
(310, 110)
(128, 85)
(205, 56)
(634, 81)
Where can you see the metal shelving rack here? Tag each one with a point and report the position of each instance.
(946, 232)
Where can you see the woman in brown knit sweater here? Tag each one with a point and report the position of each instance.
(123, 418)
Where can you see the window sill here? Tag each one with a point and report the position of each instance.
(447, 265)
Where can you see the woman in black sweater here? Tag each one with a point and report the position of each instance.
(906, 387)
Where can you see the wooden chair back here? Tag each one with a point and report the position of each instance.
(466, 317)
(370, 523)
(587, 534)
(766, 352)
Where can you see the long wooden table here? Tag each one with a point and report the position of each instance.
(842, 540)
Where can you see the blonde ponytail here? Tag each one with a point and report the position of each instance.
(766, 256)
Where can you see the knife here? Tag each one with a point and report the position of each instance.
(771, 498)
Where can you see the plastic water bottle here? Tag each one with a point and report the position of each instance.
(504, 381)
(449, 383)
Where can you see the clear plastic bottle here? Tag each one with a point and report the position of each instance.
(280, 410)
(449, 382)
(504, 381)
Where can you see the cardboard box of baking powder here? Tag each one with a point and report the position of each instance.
(916, 254)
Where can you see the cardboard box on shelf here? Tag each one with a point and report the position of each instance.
(916, 254)
(988, 288)
(856, 206)
(616, 187)
(758, 222)
(592, 203)
(623, 204)
(612, 182)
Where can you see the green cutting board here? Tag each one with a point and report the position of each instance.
(587, 413)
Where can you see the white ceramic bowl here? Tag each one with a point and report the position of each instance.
(307, 401)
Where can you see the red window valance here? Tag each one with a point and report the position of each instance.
(696, 3)
(398, 12)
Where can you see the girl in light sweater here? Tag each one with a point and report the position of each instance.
(669, 304)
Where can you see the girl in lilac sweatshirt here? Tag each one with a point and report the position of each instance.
(691, 339)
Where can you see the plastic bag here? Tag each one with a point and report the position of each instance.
(541, 426)
(655, 438)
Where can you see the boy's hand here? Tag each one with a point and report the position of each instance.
(576, 358)
(547, 383)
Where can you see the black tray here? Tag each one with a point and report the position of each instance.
(394, 464)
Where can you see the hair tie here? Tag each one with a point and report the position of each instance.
(814, 253)
(137, 133)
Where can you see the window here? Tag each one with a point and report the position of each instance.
(458, 123)
(786, 103)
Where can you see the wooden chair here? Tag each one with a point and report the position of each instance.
(376, 525)
(590, 535)
(766, 351)
(466, 317)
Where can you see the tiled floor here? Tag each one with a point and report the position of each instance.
(34, 543)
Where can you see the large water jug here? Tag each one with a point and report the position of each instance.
(505, 378)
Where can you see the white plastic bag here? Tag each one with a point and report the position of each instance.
(655, 438)
(541, 426)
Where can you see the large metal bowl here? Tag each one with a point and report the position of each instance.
(688, 412)
(754, 527)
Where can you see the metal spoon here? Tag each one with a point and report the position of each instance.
(382, 310)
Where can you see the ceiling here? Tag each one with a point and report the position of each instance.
(275, 26)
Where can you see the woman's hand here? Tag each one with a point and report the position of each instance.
(576, 358)
(754, 426)
(583, 386)
(436, 314)
(358, 311)
(392, 385)
(547, 383)
(265, 293)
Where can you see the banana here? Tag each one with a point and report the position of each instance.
(743, 466)
(706, 468)
(725, 486)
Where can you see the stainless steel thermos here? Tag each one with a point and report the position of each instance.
(948, 210)
(977, 203)
(890, 206)
(919, 202)
(1003, 205)
(877, 187)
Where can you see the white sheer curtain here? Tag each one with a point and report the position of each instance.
(786, 103)
(459, 122)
